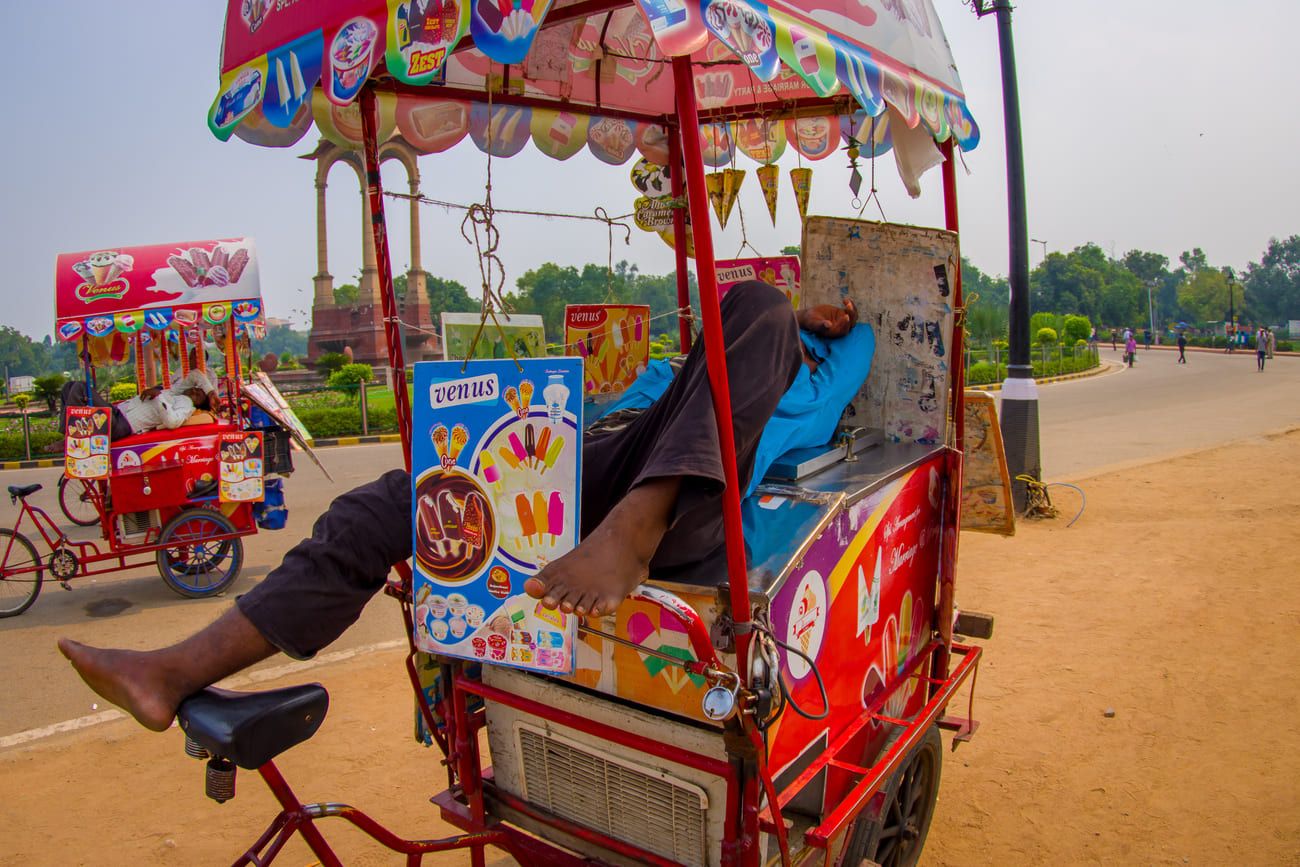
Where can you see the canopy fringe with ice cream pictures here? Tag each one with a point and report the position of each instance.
(769, 77)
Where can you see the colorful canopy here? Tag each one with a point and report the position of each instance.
(593, 73)
(157, 288)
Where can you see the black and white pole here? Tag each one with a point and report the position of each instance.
(1019, 391)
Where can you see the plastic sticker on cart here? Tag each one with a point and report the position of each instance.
(242, 467)
(495, 466)
(86, 455)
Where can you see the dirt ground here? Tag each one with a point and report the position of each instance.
(1173, 602)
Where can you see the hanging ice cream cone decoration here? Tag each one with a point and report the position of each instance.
(731, 182)
(769, 177)
(801, 180)
(713, 183)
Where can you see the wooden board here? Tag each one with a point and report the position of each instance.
(986, 504)
(899, 277)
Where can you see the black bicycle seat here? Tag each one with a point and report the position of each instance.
(251, 728)
(24, 490)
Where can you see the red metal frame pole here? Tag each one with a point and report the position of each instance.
(952, 503)
(715, 353)
(678, 182)
(379, 230)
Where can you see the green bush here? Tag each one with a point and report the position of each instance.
(349, 376)
(345, 421)
(1076, 329)
(121, 391)
(21, 400)
(1081, 342)
(1045, 336)
(328, 362)
(288, 362)
(981, 373)
(44, 443)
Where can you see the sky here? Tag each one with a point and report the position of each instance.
(1147, 124)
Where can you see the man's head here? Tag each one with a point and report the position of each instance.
(198, 397)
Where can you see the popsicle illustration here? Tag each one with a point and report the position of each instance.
(555, 514)
(625, 331)
(637, 328)
(440, 437)
(525, 395)
(525, 513)
(517, 447)
(616, 333)
(543, 440)
(553, 453)
(459, 436)
(540, 515)
(512, 398)
(491, 474)
(508, 457)
(582, 347)
(530, 442)
(471, 525)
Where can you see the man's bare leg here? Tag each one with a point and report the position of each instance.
(595, 577)
(150, 684)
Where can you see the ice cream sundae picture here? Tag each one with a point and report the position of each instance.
(350, 56)
(741, 28)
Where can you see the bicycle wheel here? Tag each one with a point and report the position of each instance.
(77, 502)
(195, 564)
(19, 592)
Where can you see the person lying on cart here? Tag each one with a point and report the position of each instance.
(652, 501)
(155, 407)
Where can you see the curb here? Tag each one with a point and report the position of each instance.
(1104, 367)
(356, 441)
(35, 464)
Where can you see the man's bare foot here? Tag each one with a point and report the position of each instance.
(129, 679)
(594, 578)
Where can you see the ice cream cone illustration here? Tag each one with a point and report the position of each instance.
(768, 180)
(732, 179)
(440, 437)
(525, 395)
(512, 398)
(801, 180)
(713, 183)
(100, 264)
(459, 436)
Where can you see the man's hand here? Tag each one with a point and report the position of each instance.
(151, 392)
(827, 320)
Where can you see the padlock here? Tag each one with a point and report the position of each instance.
(720, 703)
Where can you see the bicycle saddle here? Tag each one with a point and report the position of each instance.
(24, 490)
(251, 728)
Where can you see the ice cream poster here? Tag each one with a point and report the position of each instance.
(779, 271)
(612, 339)
(86, 454)
(242, 467)
(495, 469)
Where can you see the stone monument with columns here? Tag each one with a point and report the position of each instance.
(360, 325)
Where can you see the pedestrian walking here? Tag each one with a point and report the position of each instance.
(1092, 339)
(1272, 343)
(1146, 338)
(1182, 347)
(1114, 340)
(1131, 349)
(1261, 348)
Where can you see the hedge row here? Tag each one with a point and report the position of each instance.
(342, 421)
(985, 372)
(45, 444)
(1220, 343)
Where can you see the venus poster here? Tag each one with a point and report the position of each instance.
(612, 339)
(495, 465)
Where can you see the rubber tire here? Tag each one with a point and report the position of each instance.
(20, 541)
(232, 549)
(865, 838)
(64, 484)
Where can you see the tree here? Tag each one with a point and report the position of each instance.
(1046, 337)
(1076, 329)
(347, 294)
(281, 340)
(1273, 285)
(447, 296)
(20, 354)
(329, 362)
(1204, 295)
(350, 376)
(48, 388)
(1152, 269)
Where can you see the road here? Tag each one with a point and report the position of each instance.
(1155, 410)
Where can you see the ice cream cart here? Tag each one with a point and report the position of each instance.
(782, 704)
(180, 497)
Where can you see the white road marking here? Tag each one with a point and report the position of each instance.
(248, 679)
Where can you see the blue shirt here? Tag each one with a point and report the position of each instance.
(807, 413)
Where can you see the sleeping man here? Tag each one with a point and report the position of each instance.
(155, 407)
(651, 499)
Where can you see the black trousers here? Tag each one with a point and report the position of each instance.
(324, 582)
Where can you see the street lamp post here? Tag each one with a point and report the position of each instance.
(1019, 391)
(1151, 311)
(1044, 243)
